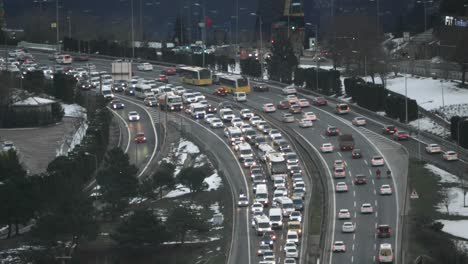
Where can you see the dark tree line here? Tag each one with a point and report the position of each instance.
(459, 130)
(283, 61)
(326, 82)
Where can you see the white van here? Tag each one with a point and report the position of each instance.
(276, 218)
(234, 135)
(197, 111)
(245, 151)
(226, 114)
(262, 224)
(261, 195)
(240, 97)
(286, 205)
(107, 93)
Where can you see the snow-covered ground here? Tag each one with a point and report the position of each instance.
(74, 110)
(178, 191)
(455, 227)
(426, 124)
(213, 181)
(444, 176)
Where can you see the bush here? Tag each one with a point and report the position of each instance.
(57, 112)
(251, 67)
(395, 108)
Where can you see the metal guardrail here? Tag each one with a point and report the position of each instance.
(38, 46)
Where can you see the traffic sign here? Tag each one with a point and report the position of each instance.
(414, 194)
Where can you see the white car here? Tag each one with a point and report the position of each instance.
(244, 127)
(282, 189)
(199, 96)
(344, 214)
(256, 207)
(269, 108)
(243, 201)
(292, 236)
(246, 113)
(339, 246)
(289, 261)
(289, 90)
(366, 208)
(326, 147)
(385, 189)
(236, 122)
(377, 161)
(303, 102)
(7, 145)
(144, 67)
(450, 155)
(339, 164)
(248, 162)
(348, 227)
(359, 121)
(209, 117)
(290, 245)
(216, 123)
(310, 115)
(433, 148)
(254, 120)
(295, 216)
(291, 253)
(305, 123)
(274, 133)
(341, 187)
(133, 116)
(292, 99)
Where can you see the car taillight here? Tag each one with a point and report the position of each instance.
(378, 231)
(388, 129)
(329, 131)
(337, 131)
(389, 230)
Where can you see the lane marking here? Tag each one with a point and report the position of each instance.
(354, 237)
(339, 154)
(376, 214)
(354, 193)
(375, 202)
(352, 258)
(354, 207)
(370, 172)
(353, 246)
(322, 136)
(365, 161)
(126, 125)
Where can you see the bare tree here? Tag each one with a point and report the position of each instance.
(464, 187)
(446, 198)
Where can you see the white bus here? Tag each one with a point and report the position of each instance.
(143, 91)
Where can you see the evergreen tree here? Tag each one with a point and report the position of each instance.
(283, 61)
(182, 219)
(193, 178)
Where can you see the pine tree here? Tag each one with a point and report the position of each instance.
(283, 61)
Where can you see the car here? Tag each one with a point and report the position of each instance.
(433, 148)
(269, 108)
(210, 109)
(133, 116)
(243, 200)
(144, 67)
(85, 85)
(260, 125)
(366, 208)
(287, 118)
(385, 253)
(360, 179)
(344, 214)
(298, 195)
(289, 245)
(150, 101)
(295, 216)
(259, 140)
(8, 145)
(305, 122)
(254, 120)
(244, 127)
(262, 248)
(377, 161)
(319, 101)
(348, 227)
(140, 137)
(339, 173)
(208, 118)
(295, 169)
(248, 161)
(269, 237)
(221, 92)
(359, 121)
(291, 253)
(341, 187)
(289, 90)
(332, 131)
(269, 255)
(339, 164)
(171, 71)
(389, 129)
(116, 104)
(326, 148)
(384, 231)
(256, 207)
(297, 177)
(339, 246)
(310, 115)
(292, 236)
(450, 155)
(295, 109)
(401, 135)
(236, 121)
(163, 78)
(283, 104)
(274, 133)
(385, 189)
(246, 114)
(356, 154)
(303, 103)
(289, 261)
(216, 123)
(261, 88)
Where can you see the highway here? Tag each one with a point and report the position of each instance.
(362, 245)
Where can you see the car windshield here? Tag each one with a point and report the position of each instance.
(264, 225)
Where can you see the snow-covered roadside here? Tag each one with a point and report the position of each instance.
(76, 111)
(455, 227)
(427, 125)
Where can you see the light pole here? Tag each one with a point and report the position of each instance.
(406, 100)
(203, 26)
(57, 23)
(316, 33)
(133, 33)
(419, 127)
(95, 160)
(424, 2)
(443, 102)
(260, 52)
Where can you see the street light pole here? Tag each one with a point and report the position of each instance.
(133, 34)
(237, 25)
(406, 100)
(57, 23)
(419, 127)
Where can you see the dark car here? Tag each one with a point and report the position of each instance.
(81, 57)
(261, 88)
(129, 91)
(320, 101)
(119, 85)
(268, 238)
(356, 154)
(116, 104)
(221, 92)
(210, 109)
(360, 179)
(401, 135)
(250, 136)
(332, 131)
(85, 85)
(163, 78)
(295, 109)
(384, 231)
(389, 129)
(284, 104)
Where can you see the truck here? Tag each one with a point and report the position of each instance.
(346, 142)
(121, 70)
(276, 165)
(170, 102)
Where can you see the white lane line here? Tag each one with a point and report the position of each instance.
(375, 225)
(350, 174)
(373, 183)
(373, 258)
(322, 136)
(370, 172)
(365, 161)
(128, 129)
(352, 258)
(375, 247)
(376, 214)
(246, 186)
(339, 154)
(375, 192)
(375, 203)
(354, 193)
(354, 207)
(353, 247)
(354, 214)
(354, 237)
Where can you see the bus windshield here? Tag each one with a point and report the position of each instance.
(242, 82)
(205, 74)
(278, 167)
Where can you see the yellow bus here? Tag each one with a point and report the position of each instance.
(233, 83)
(196, 75)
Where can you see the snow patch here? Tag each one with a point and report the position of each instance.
(213, 181)
(426, 124)
(74, 110)
(445, 177)
(69, 144)
(455, 204)
(188, 147)
(195, 241)
(179, 191)
(455, 227)
(137, 200)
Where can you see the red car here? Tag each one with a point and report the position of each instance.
(283, 104)
(320, 101)
(171, 71)
(163, 78)
(221, 92)
(401, 135)
(140, 137)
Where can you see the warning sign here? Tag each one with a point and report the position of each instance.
(414, 195)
